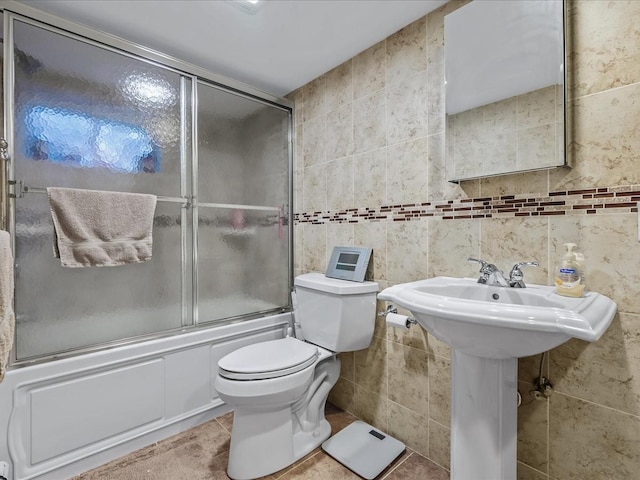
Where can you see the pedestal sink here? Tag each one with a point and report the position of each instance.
(489, 327)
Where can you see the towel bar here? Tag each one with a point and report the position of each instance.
(21, 189)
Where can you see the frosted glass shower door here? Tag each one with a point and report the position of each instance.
(243, 197)
(87, 116)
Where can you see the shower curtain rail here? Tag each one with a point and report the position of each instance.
(21, 189)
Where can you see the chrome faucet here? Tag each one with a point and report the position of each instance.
(516, 276)
(489, 273)
(492, 275)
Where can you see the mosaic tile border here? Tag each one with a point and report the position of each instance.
(591, 201)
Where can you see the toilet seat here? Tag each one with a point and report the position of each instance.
(265, 360)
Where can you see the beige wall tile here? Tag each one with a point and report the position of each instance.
(369, 181)
(314, 141)
(409, 427)
(533, 422)
(339, 86)
(606, 50)
(451, 243)
(407, 246)
(407, 109)
(347, 366)
(340, 184)
(506, 241)
(440, 389)
(314, 248)
(591, 442)
(408, 377)
(406, 51)
(439, 444)
(605, 242)
(415, 337)
(342, 395)
(369, 122)
(314, 189)
(606, 372)
(606, 140)
(527, 473)
(339, 133)
(438, 347)
(315, 102)
(338, 234)
(407, 172)
(371, 406)
(374, 235)
(371, 366)
(369, 70)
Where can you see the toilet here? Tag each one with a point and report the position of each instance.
(278, 388)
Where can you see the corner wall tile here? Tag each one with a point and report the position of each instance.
(604, 241)
(408, 377)
(591, 442)
(339, 86)
(409, 427)
(606, 372)
(369, 70)
(406, 51)
(439, 444)
(606, 50)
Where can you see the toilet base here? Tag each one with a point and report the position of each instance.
(268, 441)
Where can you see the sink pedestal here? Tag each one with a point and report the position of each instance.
(484, 420)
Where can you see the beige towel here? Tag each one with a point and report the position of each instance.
(7, 318)
(96, 228)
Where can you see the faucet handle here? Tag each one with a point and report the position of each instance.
(516, 276)
(482, 263)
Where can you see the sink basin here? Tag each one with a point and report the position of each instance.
(501, 322)
(489, 328)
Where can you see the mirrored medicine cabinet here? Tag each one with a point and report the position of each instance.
(505, 87)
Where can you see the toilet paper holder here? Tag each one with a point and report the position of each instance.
(393, 309)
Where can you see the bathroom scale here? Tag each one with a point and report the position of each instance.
(363, 449)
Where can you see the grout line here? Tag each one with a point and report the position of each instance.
(596, 404)
(297, 464)
(396, 466)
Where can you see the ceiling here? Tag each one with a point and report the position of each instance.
(282, 46)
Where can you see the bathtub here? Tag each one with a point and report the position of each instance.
(64, 417)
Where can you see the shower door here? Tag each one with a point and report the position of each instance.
(82, 114)
(86, 116)
(243, 196)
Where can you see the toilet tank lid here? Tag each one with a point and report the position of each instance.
(320, 282)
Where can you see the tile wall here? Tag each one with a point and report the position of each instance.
(370, 140)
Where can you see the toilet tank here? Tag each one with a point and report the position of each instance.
(338, 315)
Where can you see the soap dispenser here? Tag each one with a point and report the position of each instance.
(569, 276)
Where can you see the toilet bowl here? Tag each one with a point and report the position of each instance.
(278, 389)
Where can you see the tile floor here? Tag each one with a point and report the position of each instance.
(202, 452)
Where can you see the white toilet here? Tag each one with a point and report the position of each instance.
(278, 388)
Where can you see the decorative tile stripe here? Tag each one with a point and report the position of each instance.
(594, 201)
